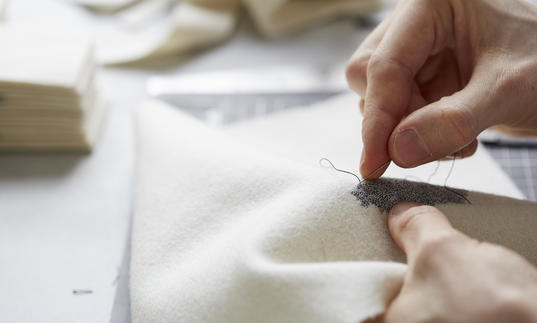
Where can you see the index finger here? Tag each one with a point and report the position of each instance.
(413, 35)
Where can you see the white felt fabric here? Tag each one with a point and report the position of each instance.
(225, 232)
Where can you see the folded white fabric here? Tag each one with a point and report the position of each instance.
(105, 5)
(191, 27)
(278, 17)
(224, 232)
(47, 93)
(199, 23)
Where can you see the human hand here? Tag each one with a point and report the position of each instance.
(453, 278)
(438, 72)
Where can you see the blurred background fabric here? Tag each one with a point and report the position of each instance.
(193, 24)
(109, 6)
(2, 9)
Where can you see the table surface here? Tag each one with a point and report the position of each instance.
(35, 188)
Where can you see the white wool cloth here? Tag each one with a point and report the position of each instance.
(228, 232)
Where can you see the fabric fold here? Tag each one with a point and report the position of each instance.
(191, 28)
(279, 17)
(105, 5)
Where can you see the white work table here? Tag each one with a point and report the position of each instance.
(65, 218)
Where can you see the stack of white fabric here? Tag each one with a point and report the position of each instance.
(105, 5)
(48, 99)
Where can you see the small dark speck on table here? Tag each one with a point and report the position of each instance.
(385, 193)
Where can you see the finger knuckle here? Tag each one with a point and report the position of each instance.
(389, 66)
(362, 106)
(412, 216)
(514, 80)
(379, 119)
(415, 2)
(431, 3)
(462, 123)
(357, 67)
(433, 252)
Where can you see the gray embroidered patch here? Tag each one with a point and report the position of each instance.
(385, 193)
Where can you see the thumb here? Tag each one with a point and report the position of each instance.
(441, 128)
(412, 225)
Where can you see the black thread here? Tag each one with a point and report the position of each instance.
(350, 173)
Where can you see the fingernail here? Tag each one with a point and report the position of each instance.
(409, 148)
